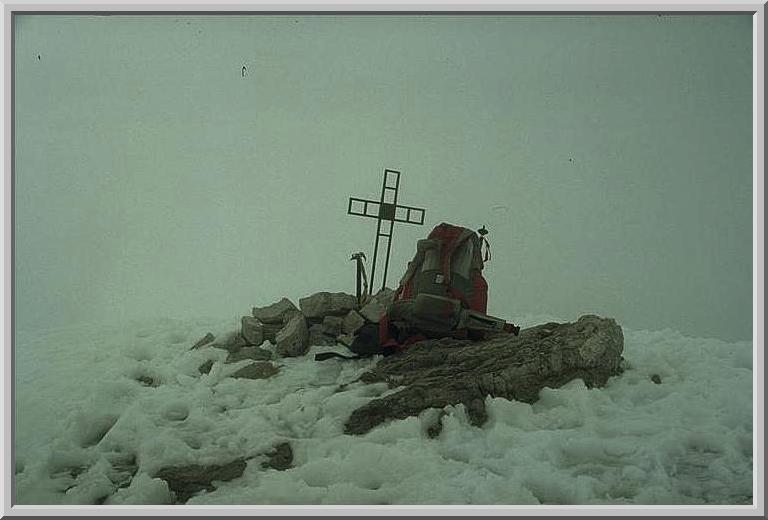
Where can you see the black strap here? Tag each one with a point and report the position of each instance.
(328, 355)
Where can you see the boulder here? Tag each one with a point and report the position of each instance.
(258, 370)
(441, 372)
(318, 338)
(332, 325)
(278, 312)
(255, 353)
(352, 322)
(377, 306)
(252, 330)
(185, 481)
(323, 304)
(293, 339)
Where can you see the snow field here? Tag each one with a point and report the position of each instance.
(84, 423)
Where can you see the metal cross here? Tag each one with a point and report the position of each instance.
(386, 209)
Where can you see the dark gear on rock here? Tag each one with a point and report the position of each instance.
(443, 292)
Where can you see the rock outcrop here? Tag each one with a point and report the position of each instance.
(437, 373)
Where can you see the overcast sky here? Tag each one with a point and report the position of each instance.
(610, 158)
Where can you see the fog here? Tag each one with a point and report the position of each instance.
(610, 158)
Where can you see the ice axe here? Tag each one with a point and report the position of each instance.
(361, 288)
(484, 241)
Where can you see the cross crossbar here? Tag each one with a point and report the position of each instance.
(372, 209)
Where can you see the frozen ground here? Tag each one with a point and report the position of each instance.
(685, 441)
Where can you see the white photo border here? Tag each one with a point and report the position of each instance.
(392, 7)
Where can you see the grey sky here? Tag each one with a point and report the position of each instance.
(610, 157)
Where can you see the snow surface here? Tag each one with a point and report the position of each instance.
(685, 441)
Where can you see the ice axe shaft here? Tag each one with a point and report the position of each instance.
(361, 281)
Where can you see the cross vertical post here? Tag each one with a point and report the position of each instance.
(386, 211)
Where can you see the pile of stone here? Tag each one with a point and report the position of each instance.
(322, 319)
(432, 373)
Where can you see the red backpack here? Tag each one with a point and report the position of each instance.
(448, 263)
(442, 294)
(444, 277)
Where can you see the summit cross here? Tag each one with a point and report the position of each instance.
(386, 211)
